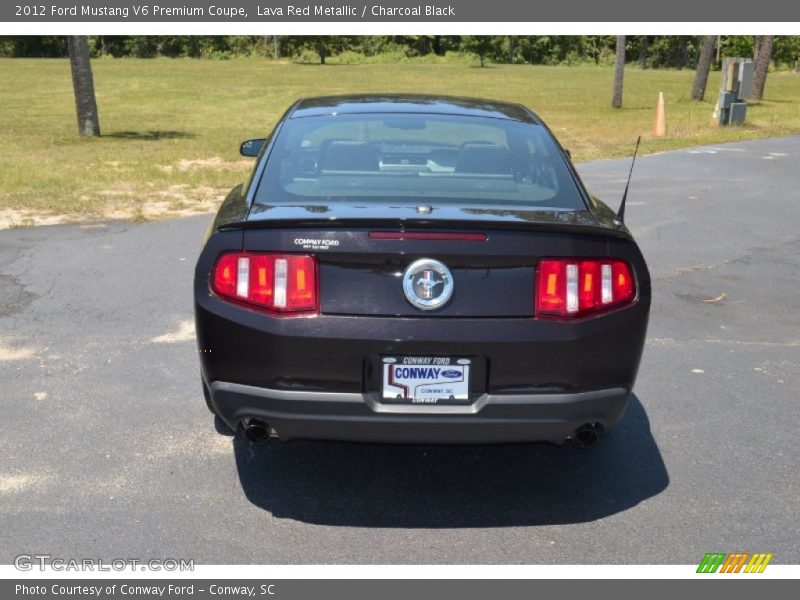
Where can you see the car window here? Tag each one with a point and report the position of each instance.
(446, 158)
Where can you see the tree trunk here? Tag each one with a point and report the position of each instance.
(762, 67)
(322, 51)
(619, 71)
(683, 53)
(643, 48)
(276, 47)
(423, 45)
(756, 47)
(83, 85)
(703, 67)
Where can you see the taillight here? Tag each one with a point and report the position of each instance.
(280, 283)
(567, 287)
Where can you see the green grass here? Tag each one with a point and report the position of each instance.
(154, 114)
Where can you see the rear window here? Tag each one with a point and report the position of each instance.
(407, 157)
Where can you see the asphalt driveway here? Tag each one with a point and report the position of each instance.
(107, 449)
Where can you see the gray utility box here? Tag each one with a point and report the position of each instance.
(735, 86)
(737, 113)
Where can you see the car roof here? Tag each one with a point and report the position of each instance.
(411, 103)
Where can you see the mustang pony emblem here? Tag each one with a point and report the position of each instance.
(427, 284)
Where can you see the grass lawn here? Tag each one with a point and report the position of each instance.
(171, 128)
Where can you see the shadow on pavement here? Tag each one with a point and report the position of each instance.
(150, 136)
(221, 428)
(368, 485)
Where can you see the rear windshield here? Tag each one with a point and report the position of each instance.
(407, 157)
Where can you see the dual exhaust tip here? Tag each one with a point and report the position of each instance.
(587, 435)
(257, 431)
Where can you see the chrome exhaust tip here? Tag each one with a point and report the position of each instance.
(587, 435)
(256, 431)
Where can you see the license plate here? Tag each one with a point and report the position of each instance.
(426, 379)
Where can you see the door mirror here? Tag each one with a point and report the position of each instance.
(251, 147)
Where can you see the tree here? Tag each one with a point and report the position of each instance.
(619, 72)
(512, 48)
(478, 44)
(703, 67)
(83, 84)
(756, 46)
(643, 47)
(322, 48)
(682, 56)
(786, 51)
(762, 67)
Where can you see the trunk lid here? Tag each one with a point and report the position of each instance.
(493, 275)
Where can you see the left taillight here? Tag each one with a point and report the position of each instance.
(575, 288)
(284, 284)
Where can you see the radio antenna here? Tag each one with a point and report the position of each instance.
(620, 219)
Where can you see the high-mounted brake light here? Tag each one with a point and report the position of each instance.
(428, 235)
(279, 283)
(568, 287)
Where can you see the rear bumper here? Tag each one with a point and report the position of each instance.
(492, 418)
(337, 353)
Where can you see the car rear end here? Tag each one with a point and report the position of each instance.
(307, 327)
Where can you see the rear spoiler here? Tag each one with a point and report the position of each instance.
(588, 227)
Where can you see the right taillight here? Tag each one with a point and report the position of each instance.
(284, 284)
(573, 288)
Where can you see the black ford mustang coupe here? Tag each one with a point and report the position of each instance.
(427, 269)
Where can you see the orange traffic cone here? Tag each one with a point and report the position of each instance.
(660, 127)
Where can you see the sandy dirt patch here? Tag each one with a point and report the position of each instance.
(215, 163)
(183, 333)
(8, 354)
(20, 217)
(15, 483)
(128, 203)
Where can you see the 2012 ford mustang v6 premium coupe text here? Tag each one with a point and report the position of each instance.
(417, 269)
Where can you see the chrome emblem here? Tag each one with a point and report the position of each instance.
(427, 284)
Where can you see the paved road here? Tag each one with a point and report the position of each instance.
(107, 449)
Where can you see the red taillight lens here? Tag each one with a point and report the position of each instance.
(567, 287)
(622, 284)
(225, 275)
(301, 283)
(551, 297)
(280, 283)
